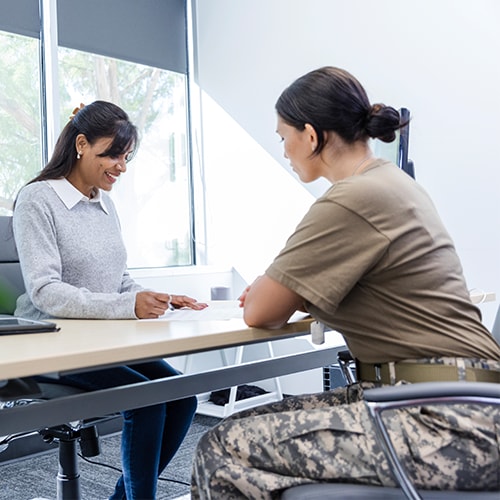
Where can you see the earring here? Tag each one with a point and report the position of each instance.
(78, 155)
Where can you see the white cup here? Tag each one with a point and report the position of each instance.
(220, 293)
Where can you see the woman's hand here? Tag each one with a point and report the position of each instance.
(179, 301)
(151, 304)
(243, 296)
(154, 304)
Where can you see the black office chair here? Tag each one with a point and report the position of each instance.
(394, 397)
(27, 391)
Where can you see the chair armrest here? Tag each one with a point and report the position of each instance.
(434, 392)
(419, 394)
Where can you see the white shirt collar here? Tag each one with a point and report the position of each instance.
(70, 196)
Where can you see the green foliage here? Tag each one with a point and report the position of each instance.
(7, 299)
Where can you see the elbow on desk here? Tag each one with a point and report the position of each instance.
(258, 321)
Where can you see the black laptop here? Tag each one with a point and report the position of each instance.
(11, 325)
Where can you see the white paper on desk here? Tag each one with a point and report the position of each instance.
(216, 310)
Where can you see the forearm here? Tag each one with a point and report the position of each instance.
(268, 304)
(61, 300)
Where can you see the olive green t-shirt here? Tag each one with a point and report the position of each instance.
(373, 261)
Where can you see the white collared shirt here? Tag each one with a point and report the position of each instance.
(70, 196)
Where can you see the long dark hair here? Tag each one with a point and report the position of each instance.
(95, 121)
(331, 99)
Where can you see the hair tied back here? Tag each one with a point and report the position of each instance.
(75, 111)
(376, 109)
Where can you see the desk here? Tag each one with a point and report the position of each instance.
(84, 344)
(87, 344)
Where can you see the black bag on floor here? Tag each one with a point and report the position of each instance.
(220, 398)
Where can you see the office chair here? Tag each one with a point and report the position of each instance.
(404, 396)
(28, 391)
(399, 397)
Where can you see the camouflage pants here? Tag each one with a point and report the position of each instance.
(329, 436)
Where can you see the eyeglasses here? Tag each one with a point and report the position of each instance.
(129, 156)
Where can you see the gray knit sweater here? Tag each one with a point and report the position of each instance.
(72, 255)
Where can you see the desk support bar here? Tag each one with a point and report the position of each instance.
(90, 404)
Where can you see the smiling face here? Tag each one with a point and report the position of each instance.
(298, 148)
(95, 168)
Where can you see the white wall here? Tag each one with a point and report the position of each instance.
(195, 281)
(437, 58)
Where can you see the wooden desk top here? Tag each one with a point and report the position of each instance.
(91, 343)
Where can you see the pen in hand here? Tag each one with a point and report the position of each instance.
(169, 304)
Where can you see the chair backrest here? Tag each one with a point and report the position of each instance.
(496, 326)
(11, 278)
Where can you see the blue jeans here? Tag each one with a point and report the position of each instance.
(150, 435)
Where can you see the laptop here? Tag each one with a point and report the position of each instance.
(12, 325)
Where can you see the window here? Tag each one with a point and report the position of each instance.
(20, 140)
(153, 197)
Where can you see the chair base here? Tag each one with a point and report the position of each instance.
(33, 444)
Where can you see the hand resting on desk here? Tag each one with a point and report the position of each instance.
(154, 304)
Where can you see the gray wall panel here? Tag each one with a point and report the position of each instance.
(151, 32)
(20, 16)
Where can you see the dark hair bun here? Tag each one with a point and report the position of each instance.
(382, 122)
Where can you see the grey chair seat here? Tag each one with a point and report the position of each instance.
(342, 491)
(359, 491)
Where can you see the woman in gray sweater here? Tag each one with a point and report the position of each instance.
(74, 266)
